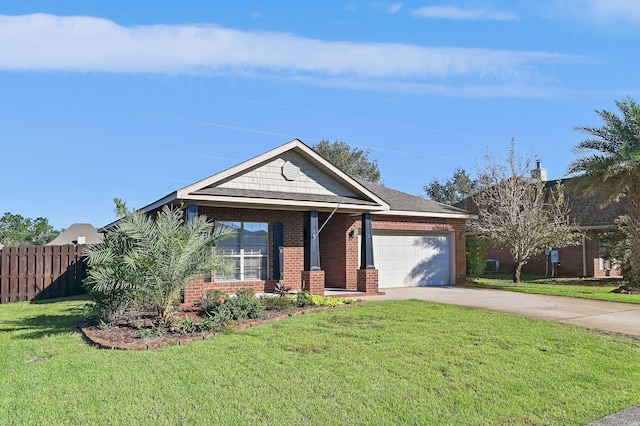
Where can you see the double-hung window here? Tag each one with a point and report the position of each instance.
(247, 250)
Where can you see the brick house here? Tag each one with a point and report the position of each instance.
(303, 222)
(583, 260)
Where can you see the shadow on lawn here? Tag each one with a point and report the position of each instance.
(64, 321)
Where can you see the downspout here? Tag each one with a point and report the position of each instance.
(584, 256)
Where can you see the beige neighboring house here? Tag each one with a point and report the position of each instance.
(78, 233)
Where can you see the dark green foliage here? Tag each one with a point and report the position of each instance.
(303, 298)
(353, 161)
(453, 190)
(243, 306)
(276, 303)
(150, 259)
(616, 242)
(476, 256)
(609, 166)
(212, 300)
(16, 230)
(246, 305)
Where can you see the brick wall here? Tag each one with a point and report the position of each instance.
(338, 250)
(313, 281)
(571, 260)
(367, 280)
(293, 223)
(335, 246)
(456, 226)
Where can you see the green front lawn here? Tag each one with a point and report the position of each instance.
(406, 362)
(572, 287)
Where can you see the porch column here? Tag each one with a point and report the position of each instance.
(314, 242)
(367, 274)
(366, 244)
(312, 276)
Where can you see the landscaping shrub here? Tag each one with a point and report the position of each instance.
(329, 301)
(303, 298)
(149, 259)
(212, 300)
(476, 256)
(277, 303)
(245, 305)
(281, 289)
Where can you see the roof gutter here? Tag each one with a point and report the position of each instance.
(426, 214)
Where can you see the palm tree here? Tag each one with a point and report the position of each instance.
(149, 260)
(610, 167)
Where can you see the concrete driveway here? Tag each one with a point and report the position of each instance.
(610, 316)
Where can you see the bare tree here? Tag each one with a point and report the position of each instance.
(520, 213)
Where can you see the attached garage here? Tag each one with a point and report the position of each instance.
(311, 216)
(412, 259)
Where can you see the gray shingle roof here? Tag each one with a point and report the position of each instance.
(280, 195)
(401, 201)
(71, 234)
(584, 208)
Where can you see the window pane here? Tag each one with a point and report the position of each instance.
(247, 249)
(252, 268)
(234, 271)
(233, 241)
(255, 237)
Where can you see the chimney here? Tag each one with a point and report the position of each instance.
(539, 173)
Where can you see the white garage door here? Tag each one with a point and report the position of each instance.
(410, 259)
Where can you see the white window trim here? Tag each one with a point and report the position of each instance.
(242, 255)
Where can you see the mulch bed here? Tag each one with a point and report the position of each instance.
(126, 334)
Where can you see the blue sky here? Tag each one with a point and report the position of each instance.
(136, 99)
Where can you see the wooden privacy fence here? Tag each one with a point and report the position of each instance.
(41, 272)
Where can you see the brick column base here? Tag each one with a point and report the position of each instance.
(313, 282)
(368, 280)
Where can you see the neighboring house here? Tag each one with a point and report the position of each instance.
(78, 233)
(303, 222)
(583, 260)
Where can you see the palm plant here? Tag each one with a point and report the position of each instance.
(151, 259)
(611, 168)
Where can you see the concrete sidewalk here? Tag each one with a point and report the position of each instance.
(609, 316)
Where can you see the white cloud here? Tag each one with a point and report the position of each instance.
(453, 12)
(390, 8)
(618, 10)
(605, 12)
(351, 7)
(52, 43)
